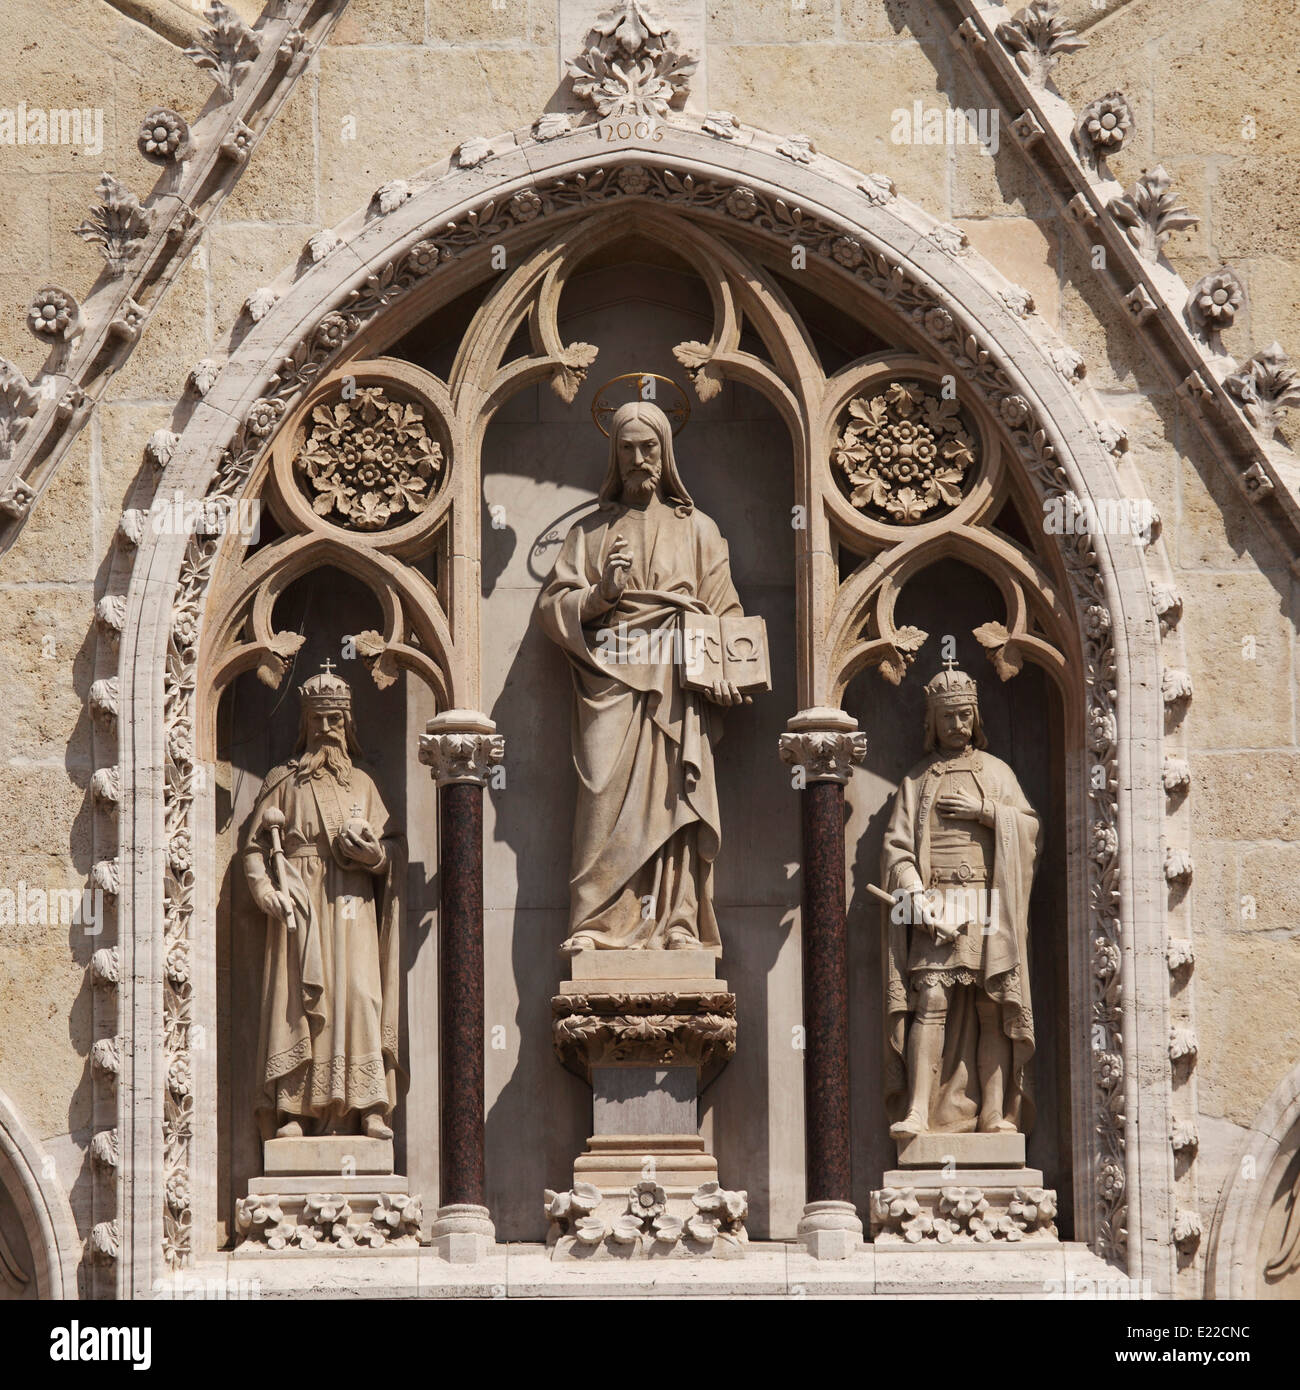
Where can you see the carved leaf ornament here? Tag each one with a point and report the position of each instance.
(903, 453)
(368, 461)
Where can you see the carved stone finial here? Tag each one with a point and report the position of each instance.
(118, 227)
(18, 404)
(1039, 39)
(632, 65)
(227, 48)
(1150, 213)
(1266, 386)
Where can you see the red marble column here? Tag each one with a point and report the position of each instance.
(828, 1172)
(460, 866)
(822, 746)
(461, 747)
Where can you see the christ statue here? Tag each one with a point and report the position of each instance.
(628, 579)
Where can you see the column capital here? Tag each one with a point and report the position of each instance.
(461, 745)
(826, 743)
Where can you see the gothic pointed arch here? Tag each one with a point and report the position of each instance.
(970, 368)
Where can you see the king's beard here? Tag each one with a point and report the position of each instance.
(328, 755)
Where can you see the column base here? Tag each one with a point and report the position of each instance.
(463, 1234)
(830, 1230)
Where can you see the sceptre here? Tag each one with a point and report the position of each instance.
(274, 822)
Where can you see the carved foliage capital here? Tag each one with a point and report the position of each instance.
(824, 755)
(662, 1029)
(462, 757)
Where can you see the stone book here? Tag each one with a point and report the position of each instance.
(731, 649)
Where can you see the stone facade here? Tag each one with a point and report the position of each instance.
(1107, 304)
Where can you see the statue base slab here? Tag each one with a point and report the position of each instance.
(336, 1216)
(932, 1208)
(327, 1154)
(962, 1150)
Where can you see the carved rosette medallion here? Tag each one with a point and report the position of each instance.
(903, 454)
(368, 462)
(643, 1030)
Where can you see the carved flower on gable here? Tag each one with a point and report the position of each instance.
(423, 256)
(1108, 121)
(647, 1200)
(938, 323)
(526, 205)
(185, 627)
(179, 851)
(742, 203)
(53, 313)
(178, 1191)
(903, 453)
(633, 179)
(178, 963)
(1096, 620)
(1110, 1180)
(1110, 1069)
(1104, 840)
(334, 330)
(848, 251)
(369, 460)
(1105, 958)
(1014, 410)
(1219, 297)
(162, 133)
(179, 1081)
(263, 418)
(722, 124)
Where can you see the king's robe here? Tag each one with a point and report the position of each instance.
(328, 1038)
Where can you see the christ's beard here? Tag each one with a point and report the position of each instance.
(641, 485)
(330, 756)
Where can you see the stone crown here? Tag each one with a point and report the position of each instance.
(950, 687)
(326, 691)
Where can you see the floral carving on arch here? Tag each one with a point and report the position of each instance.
(852, 233)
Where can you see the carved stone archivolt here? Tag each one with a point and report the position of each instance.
(650, 1030)
(851, 624)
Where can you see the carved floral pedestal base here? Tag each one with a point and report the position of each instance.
(940, 1195)
(327, 1194)
(643, 1028)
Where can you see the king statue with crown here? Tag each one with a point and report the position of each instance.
(326, 864)
(959, 855)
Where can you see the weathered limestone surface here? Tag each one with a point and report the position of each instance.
(835, 71)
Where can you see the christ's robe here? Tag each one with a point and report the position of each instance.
(647, 828)
(328, 1040)
(983, 876)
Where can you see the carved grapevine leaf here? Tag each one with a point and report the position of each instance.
(571, 372)
(697, 359)
(1001, 648)
(901, 653)
(281, 650)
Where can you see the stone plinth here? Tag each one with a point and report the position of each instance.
(949, 1206)
(962, 1151)
(646, 1029)
(327, 1193)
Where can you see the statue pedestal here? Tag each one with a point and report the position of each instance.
(962, 1190)
(647, 1030)
(335, 1192)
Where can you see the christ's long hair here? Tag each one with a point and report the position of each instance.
(671, 487)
